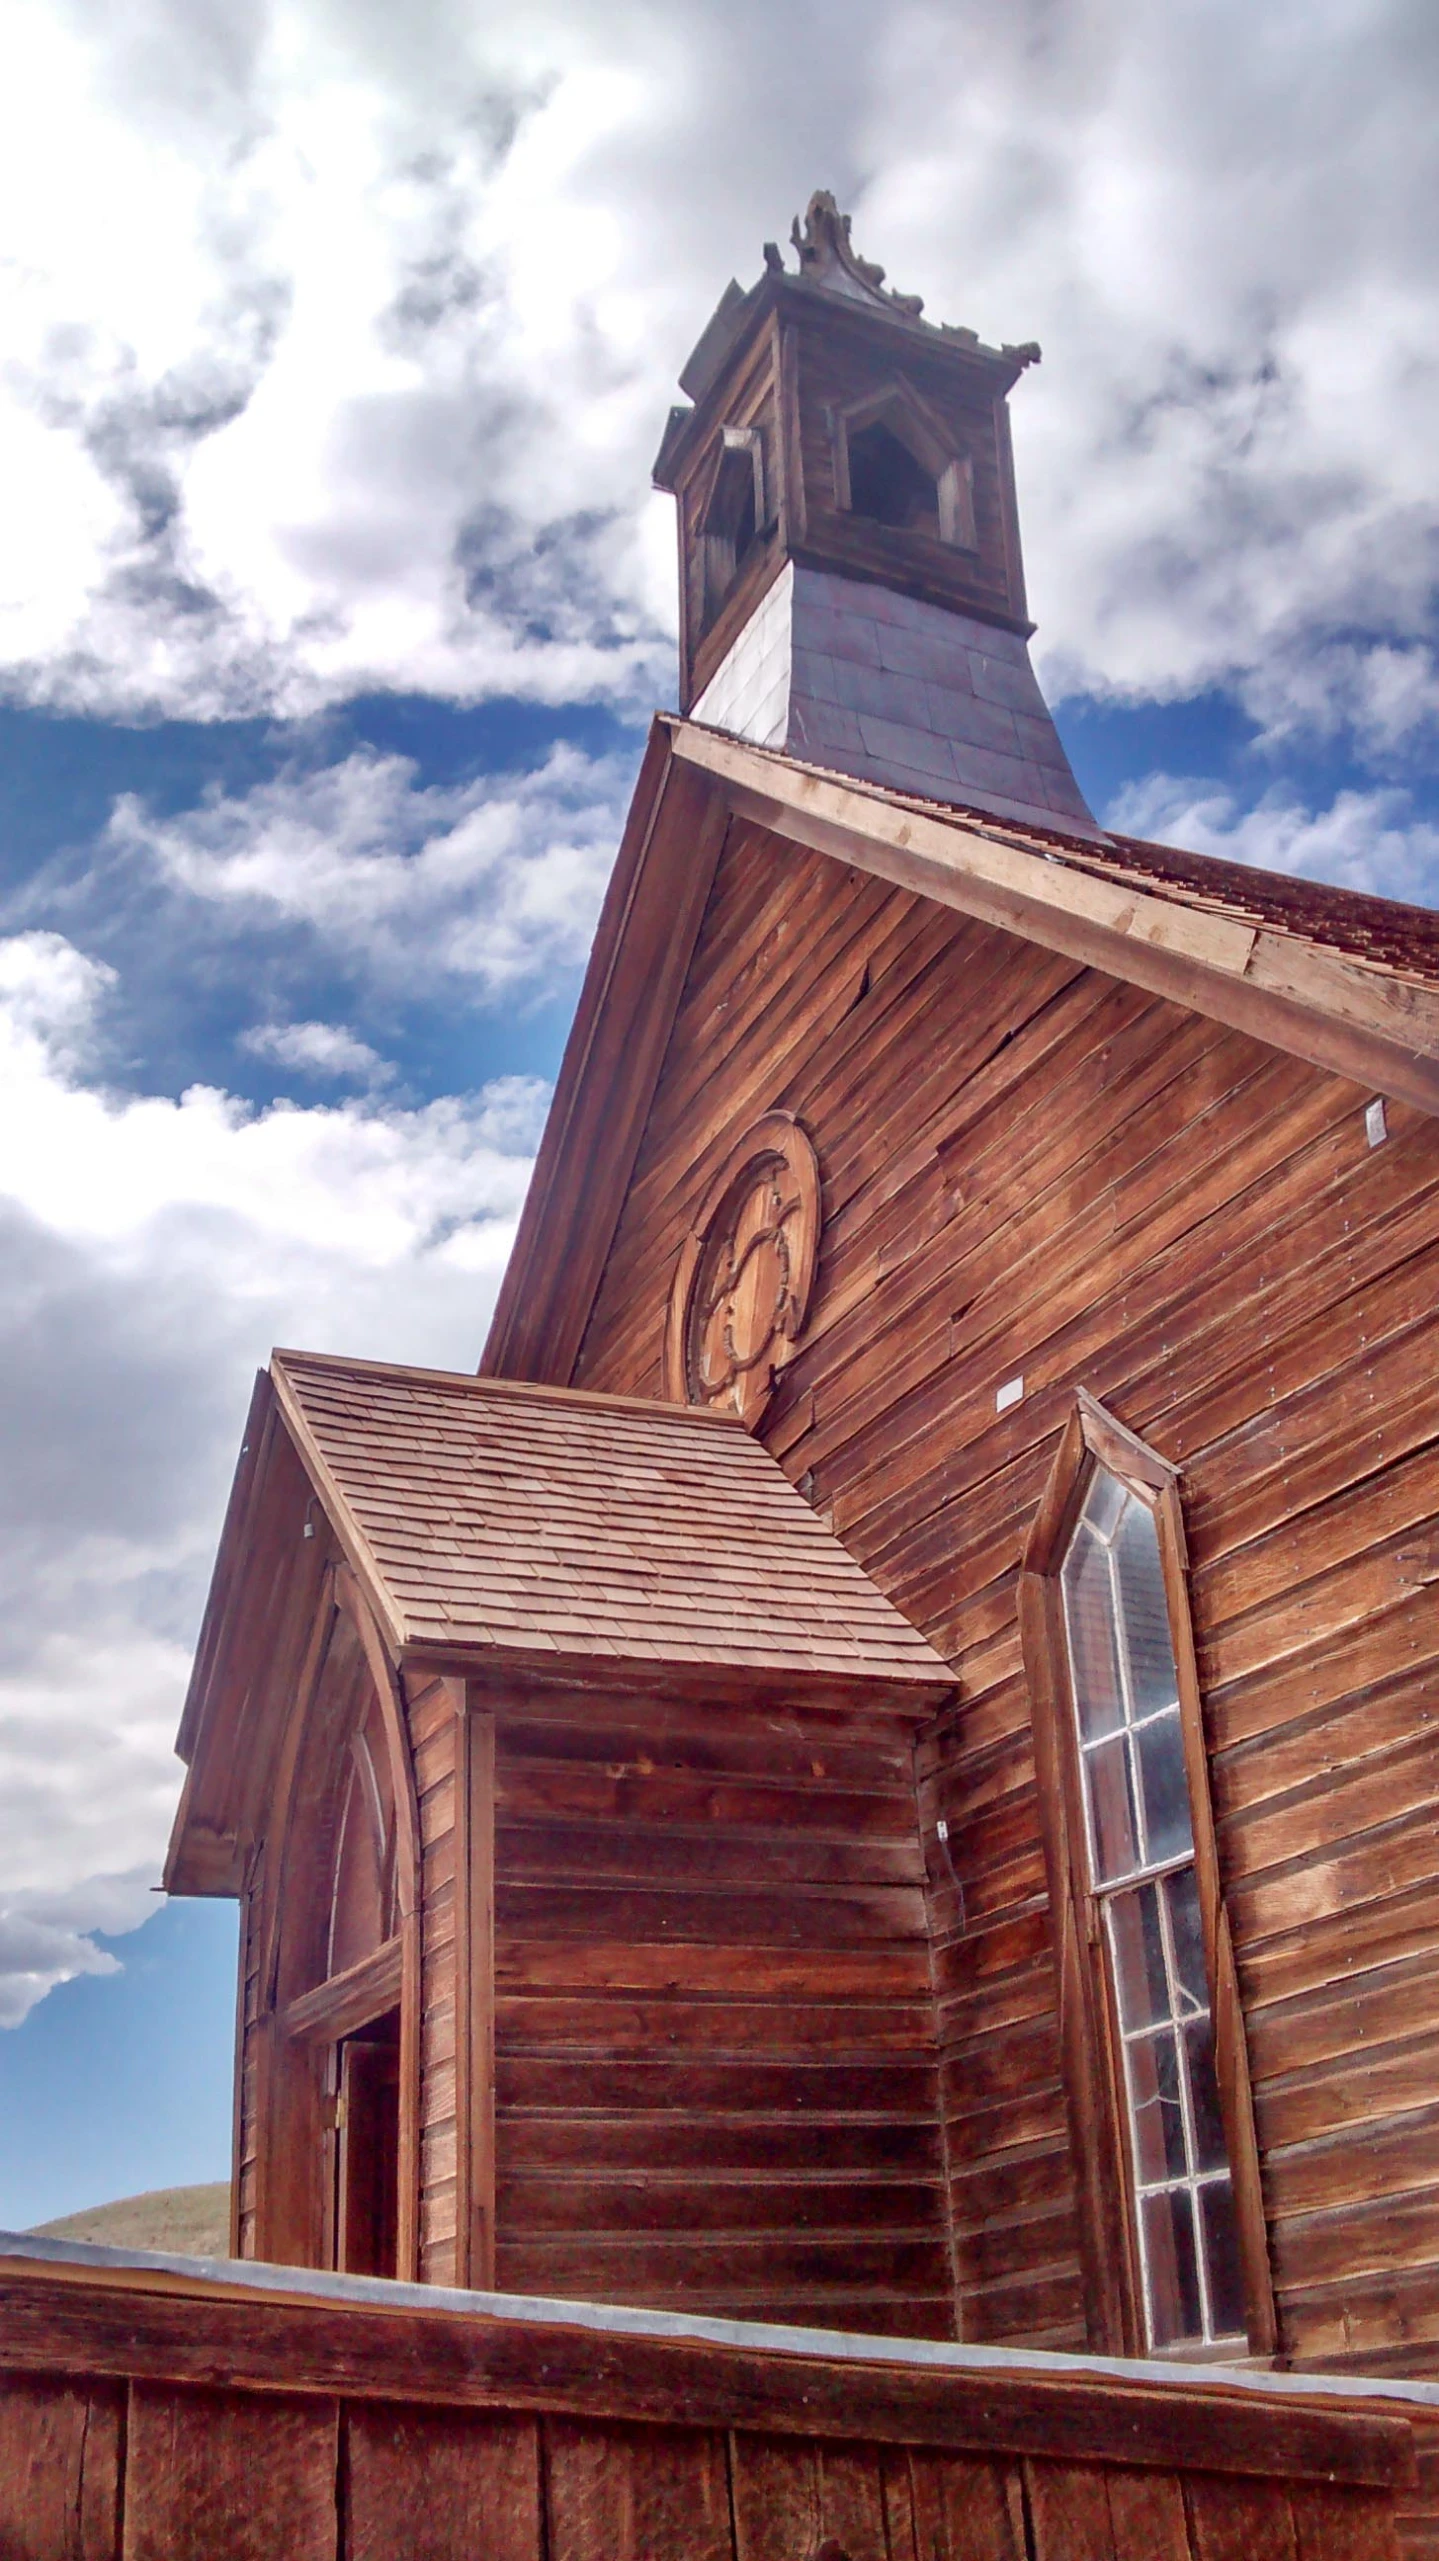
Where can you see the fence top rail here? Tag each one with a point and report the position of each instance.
(84, 2310)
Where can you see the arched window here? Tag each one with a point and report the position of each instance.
(1152, 2029)
(362, 1910)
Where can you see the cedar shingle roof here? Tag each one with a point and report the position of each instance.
(548, 1521)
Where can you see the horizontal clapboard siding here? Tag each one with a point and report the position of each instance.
(715, 2072)
(1030, 1170)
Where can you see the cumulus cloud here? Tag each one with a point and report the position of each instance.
(329, 1051)
(153, 1250)
(340, 341)
(1368, 840)
(44, 1941)
(496, 880)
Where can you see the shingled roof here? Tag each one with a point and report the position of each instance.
(484, 1515)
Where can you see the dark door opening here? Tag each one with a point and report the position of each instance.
(367, 2167)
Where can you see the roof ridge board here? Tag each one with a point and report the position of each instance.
(505, 1391)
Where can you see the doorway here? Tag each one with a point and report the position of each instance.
(367, 2155)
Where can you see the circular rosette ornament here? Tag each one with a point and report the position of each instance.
(743, 1285)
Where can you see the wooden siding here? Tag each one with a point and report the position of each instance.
(433, 1730)
(716, 2081)
(1032, 1170)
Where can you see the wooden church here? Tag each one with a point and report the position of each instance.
(878, 1766)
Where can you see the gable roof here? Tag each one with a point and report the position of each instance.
(1349, 982)
(485, 1518)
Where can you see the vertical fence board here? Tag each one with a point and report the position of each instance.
(852, 2504)
(791, 2498)
(1239, 2520)
(250, 2476)
(59, 2472)
(440, 2485)
(635, 2494)
(1146, 2511)
(1342, 2525)
(1069, 2512)
(966, 2509)
(777, 2508)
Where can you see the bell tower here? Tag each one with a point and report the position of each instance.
(851, 588)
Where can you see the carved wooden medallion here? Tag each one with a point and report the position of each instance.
(743, 1285)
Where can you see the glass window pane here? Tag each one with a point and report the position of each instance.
(1145, 1610)
(1160, 2151)
(1219, 2224)
(1204, 2094)
(1115, 1832)
(1136, 1942)
(1089, 1618)
(1168, 1829)
(1181, 1895)
(1171, 2268)
(1104, 1502)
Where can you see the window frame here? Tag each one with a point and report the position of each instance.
(897, 406)
(1090, 2047)
(738, 450)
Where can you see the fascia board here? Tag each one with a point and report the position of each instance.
(1357, 1021)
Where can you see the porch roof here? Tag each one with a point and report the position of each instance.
(487, 1515)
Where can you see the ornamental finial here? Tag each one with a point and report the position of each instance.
(829, 259)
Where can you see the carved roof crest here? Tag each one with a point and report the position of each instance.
(829, 259)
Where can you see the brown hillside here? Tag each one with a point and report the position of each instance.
(193, 2222)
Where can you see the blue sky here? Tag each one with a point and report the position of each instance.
(333, 604)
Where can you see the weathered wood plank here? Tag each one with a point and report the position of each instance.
(441, 2485)
(636, 2493)
(175, 2334)
(252, 2476)
(1250, 2521)
(1342, 2525)
(59, 2470)
(1069, 2515)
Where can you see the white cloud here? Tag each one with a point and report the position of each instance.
(154, 1250)
(43, 1937)
(326, 1050)
(497, 880)
(1367, 840)
(341, 337)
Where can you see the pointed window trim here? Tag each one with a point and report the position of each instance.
(898, 406)
(1089, 2039)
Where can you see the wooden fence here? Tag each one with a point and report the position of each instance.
(181, 2411)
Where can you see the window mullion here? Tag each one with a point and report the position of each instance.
(1186, 2106)
(1172, 1866)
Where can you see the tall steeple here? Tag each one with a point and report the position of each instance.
(851, 587)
